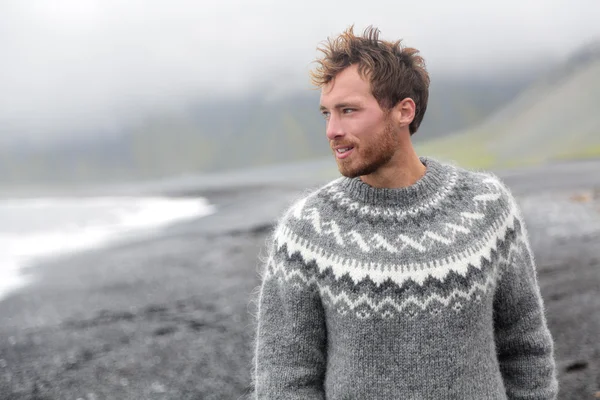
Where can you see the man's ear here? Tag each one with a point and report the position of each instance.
(404, 112)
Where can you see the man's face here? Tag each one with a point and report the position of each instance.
(362, 135)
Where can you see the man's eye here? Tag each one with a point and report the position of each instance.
(325, 114)
(347, 110)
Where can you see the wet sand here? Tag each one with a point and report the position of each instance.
(171, 316)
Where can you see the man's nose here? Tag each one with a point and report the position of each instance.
(334, 128)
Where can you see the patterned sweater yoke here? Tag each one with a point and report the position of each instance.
(423, 292)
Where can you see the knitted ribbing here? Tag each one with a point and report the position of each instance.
(427, 291)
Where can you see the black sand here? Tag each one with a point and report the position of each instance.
(171, 316)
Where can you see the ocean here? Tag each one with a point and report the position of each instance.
(34, 228)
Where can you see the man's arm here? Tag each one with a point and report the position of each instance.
(291, 338)
(523, 342)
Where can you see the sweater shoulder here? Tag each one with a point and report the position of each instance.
(486, 185)
(291, 218)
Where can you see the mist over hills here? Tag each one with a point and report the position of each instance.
(555, 118)
(232, 133)
(476, 122)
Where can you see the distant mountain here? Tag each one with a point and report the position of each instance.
(458, 104)
(555, 118)
(232, 133)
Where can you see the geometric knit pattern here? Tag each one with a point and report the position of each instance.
(349, 261)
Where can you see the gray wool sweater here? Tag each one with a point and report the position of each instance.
(423, 292)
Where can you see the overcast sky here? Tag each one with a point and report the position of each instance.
(81, 66)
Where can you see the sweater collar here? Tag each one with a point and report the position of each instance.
(426, 187)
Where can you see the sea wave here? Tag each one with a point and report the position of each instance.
(38, 227)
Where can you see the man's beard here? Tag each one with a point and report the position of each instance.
(373, 156)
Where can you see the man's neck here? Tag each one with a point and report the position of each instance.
(403, 170)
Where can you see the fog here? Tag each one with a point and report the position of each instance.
(79, 67)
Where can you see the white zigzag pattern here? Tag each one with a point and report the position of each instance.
(387, 302)
(355, 237)
(273, 268)
(378, 272)
(344, 303)
(283, 274)
(451, 230)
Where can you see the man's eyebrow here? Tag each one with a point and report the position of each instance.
(340, 105)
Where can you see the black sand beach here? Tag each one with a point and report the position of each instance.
(171, 316)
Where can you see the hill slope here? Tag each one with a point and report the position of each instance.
(556, 118)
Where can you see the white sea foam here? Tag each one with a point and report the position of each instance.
(33, 228)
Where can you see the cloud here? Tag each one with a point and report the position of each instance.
(80, 67)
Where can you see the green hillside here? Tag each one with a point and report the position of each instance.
(556, 118)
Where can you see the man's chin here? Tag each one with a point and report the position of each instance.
(352, 169)
(347, 172)
(356, 172)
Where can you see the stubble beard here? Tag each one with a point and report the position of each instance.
(372, 157)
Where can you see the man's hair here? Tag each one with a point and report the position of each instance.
(395, 72)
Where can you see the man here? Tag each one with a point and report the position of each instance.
(406, 278)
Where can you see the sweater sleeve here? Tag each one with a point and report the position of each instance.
(523, 341)
(290, 356)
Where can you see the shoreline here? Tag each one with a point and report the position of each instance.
(118, 221)
(304, 173)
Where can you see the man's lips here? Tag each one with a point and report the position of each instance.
(343, 151)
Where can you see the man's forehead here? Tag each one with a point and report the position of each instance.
(347, 95)
(347, 84)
